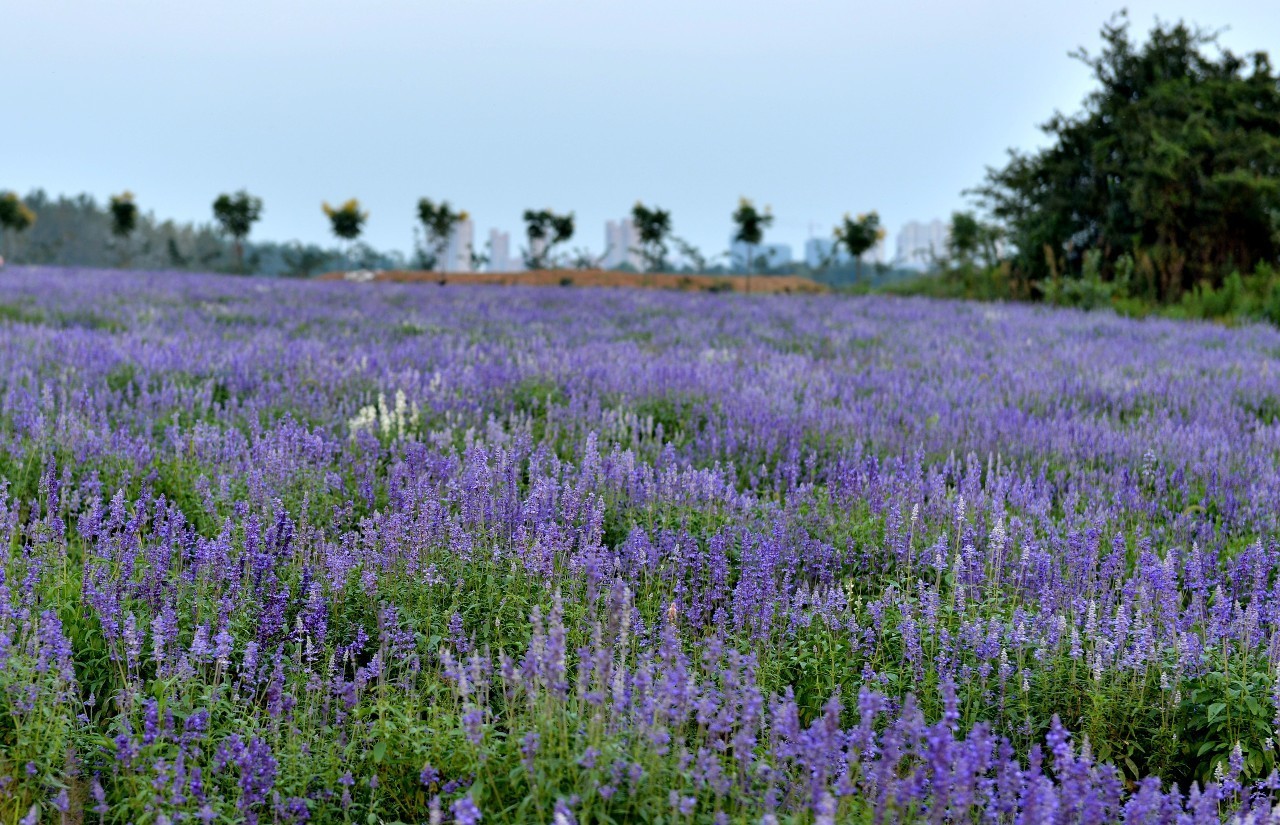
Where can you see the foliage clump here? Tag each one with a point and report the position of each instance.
(1174, 161)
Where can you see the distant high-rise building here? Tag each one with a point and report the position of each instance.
(817, 253)
(774, 254)
(500, 252)
(919, 244)
(457, 253)
(874, 255)
(620, 244)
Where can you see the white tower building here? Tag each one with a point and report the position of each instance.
(620, 241)
(457, 254)
(500, 259)
(817, 251)
(919, 243)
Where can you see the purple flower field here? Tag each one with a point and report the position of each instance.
(297, 551)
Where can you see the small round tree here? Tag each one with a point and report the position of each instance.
(751, 225)
(15, 217)
(545, 229)
(346, 221)
(858, 235)
(653, 226)
(438, 222)
(237, 214)
(124, 219)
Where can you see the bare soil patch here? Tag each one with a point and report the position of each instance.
(601, 278)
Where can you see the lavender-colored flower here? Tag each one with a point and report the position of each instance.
(465, 811)
(473, 724)
(200, 649)
(529, 744)
(983, 498)
(222, 648)
(824, 813)
(562, 814)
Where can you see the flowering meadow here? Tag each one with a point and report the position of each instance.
(298, 551)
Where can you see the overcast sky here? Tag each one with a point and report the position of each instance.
(815, 108)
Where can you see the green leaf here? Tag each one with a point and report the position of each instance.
(379, 751)
(1215, 709)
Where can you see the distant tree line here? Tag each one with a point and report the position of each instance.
(80, 231)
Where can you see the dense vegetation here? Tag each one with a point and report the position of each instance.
(1167, 183)
(287, 551)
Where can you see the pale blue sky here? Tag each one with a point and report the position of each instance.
(813, 107)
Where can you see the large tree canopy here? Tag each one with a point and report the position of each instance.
(1175, 160)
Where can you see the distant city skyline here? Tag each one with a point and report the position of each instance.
(563, 105)
(917, 245)
(818, 252)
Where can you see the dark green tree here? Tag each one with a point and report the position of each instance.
(346, 221)
(438, 222)
(124, 219)
(857, 235)
(237, 214)
(1174, 160)
(124, 214)
(653, 226)
(15, 217)
(751, 224)
(303, 261)
(545, 229)
(964, 237)
(972, 242)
